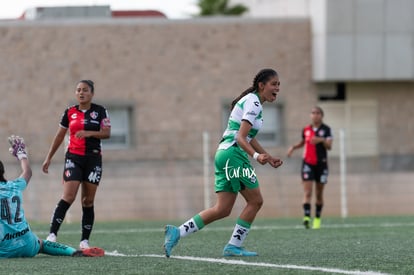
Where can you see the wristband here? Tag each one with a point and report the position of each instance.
(255, 155)
(21, 156)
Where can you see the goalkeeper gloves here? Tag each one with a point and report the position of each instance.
(18, 147)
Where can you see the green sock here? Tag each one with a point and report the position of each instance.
(199, 221)
(57, 249)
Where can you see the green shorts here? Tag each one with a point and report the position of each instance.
(233, 171)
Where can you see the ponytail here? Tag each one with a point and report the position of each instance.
(261, 77)
(2, 179)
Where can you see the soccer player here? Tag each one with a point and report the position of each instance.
(88, 123)
(317, 139)
(233, 171)
(17, 238)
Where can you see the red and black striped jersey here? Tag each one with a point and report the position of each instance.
(89, 120)
(315, 153)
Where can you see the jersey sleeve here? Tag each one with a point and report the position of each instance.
(251, 109)
(105, 121)
(64, 121)
(328, 133)
(19, 183)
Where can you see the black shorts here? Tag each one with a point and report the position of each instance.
(83, 168)
(318, 172)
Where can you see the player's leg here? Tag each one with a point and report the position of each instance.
(254, 202)
(88, 192)
(58, 249)
(307, 184)
(222, 208)
(306, 203)
(70, 189)
(92, 175)
(321, 181)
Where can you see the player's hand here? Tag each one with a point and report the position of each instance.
(17, 147)
(275, 162)
(262, 159)
(45, 166)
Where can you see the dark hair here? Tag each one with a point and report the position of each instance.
(261, 77)
(2, 172)
(89, 83)
(319, 109)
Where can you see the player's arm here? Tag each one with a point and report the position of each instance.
(26, 169)
(273, 161)
(57, 141)
(294, 147)
(327, 143)
(246, 146)
(18, 149)
(103, 133)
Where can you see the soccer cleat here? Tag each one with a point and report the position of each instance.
(306, 222)
(51, 237)
(232, 250)
(89, 252)
(316, 223)
(172, 236)
(84, 244)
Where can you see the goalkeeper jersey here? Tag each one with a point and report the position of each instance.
(13, 225)
(247, 108)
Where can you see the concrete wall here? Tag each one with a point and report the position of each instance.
(175, 74)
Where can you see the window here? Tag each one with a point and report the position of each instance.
(121, 118)
(270, 134)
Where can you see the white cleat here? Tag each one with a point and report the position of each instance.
(51, 238)
(84, 244)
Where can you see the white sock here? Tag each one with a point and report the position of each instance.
(188, 227)
(238, 236)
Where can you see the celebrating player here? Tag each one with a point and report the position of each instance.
(17, 238)
(233, 171)
(88, 123)
(317, 139)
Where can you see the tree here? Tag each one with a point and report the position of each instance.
(220, 7)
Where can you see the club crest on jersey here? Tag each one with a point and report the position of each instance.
(321, 133)
(74, 116)
(94, 115)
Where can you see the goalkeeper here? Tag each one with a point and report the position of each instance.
(17, 239)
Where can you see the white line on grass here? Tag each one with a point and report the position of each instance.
(254, 227)
(240, 262)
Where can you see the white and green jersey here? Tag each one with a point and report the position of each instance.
(247, 108)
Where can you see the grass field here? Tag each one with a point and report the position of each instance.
(364, 245)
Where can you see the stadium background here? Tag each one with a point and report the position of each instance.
(174, 78)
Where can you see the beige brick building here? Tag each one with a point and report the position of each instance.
(174, 79)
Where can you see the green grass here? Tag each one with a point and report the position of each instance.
(377, 244)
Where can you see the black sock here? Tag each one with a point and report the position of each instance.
(318, 210)
(58, 216)
(307, 209)
(88, 218)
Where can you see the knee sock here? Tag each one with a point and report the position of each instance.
(57, 249)
(88, 218)
(58, 216)
(307, 209)
(192, 225)
(318, 210)
(241, 229)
